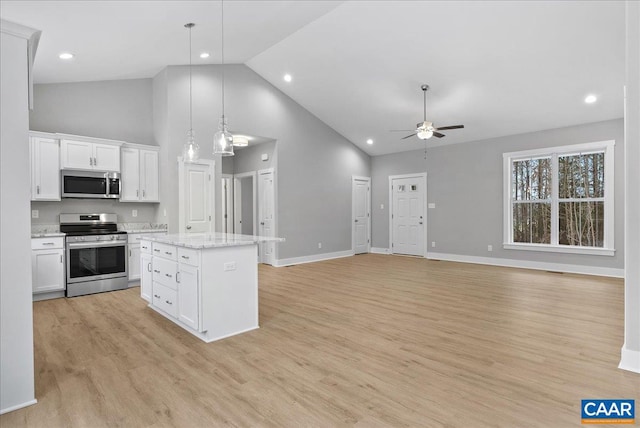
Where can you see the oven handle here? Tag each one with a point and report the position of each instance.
(96, 244)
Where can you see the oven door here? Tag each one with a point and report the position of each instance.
(88, 261)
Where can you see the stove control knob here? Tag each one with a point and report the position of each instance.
(113, 237)
(82, 238)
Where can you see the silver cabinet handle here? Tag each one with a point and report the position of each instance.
(144, 193)
(148, 267)
(60, 258)
(137, 193)
(156, 296)
(185, 257)
(156, 271)
(38, 189)
(168, 276)
(168, 253)
(95, 161)
(48, 243)
(91, 161)
(177, 279)
(129, 253)
(168, 302)
(156, 250)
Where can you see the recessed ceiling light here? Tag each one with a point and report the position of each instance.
(287, 78)
(65, 55)
(369, 141)
(590, 99)
(204, 55)
(240, 141)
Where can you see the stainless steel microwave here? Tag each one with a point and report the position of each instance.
(90, 184)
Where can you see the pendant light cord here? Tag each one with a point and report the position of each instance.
(222, 32)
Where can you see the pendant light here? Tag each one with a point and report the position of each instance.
(222, 140)
(191, 150)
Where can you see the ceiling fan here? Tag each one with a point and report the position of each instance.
(426, 130)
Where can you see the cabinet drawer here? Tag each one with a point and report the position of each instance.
(165, 299)
(145, 247)
(188, 256)
(164, 250)
(47, 243)
(164, 272)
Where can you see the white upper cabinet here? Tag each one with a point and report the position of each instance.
(90, 154)
(139, 174)
(45, 167)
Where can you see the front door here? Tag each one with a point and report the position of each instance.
(408, 225)
(361, 217)
(266, 199)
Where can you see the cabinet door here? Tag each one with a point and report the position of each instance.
(134, 262)
(130, 175)
(47, 268)
(106, 157)
(149, 175)
(76, 154)
(45, 169)
(188, 296)
(146, 279)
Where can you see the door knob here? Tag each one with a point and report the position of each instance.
(356, 220)
(188, 227)
(420, 222)
(262, 223)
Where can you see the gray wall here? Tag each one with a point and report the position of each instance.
(247, 200)
(16, 319)
(115, 109)
(249, 158)
(465, 182)
(314, 163)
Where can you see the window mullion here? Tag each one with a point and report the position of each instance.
(555, 194)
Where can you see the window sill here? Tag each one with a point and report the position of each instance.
(561, 249)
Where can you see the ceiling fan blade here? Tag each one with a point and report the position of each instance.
(437, 134)
(408, 136)
(401, 130)
(442, 128)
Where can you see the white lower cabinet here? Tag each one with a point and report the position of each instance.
(174, 286)
(47, 265)
(145, 276)
(134, 241)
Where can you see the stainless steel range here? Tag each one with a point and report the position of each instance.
(96, 253)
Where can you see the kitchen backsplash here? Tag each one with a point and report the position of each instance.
(49, 212)
(129, 227)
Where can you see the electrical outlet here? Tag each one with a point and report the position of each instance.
(229, 266)
(433, 244)
(165, 212)
(431, 205)
(381, 206)
(319, 244)
(489, 247)
(134, 213)
(35, 214)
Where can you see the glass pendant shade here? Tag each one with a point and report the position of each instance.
(191, 150)
(223, 140)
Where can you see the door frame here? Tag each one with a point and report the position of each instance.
(274, 257)
(181, 196)
(422, 175)
(254, 191)
(355, 178)
(230, 206)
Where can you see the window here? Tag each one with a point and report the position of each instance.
(560, 199)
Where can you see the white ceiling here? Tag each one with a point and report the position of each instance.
(500, 68)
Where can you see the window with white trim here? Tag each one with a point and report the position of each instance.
(560, 199)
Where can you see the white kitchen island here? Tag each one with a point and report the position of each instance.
(205, 283)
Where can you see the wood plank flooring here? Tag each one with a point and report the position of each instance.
(364, 341)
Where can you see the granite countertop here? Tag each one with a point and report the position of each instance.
(142, 227)
(211, 240)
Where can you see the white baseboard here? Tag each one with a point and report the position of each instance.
(313, 258)
(378, 250)
(18, 406)
(629, 360)
(527, 264)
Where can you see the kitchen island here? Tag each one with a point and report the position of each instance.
(205, 283)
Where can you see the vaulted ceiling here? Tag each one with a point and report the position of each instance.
(498, 67)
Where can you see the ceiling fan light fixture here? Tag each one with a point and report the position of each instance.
(424, 134)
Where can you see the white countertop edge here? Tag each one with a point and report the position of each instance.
(48, 235)
(216, 240)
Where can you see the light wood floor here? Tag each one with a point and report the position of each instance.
(364, 341)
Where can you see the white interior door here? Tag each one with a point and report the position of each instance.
(237, 206)
(360, 193)
(227, 203)
(195, 200)
(266, 213)
(408, 224)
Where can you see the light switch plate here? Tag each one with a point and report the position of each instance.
(265, 157)
(35, 214)
(432, 205)
(228, 266)
(134, 213)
